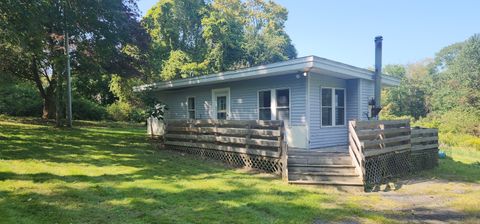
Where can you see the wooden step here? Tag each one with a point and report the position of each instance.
(347, 183)
(325, 178)
(316, 153)
(346, 169)
(323, 160)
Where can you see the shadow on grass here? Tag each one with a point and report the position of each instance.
(157, 187)
(106, 204)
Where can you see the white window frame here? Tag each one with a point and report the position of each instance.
(273, 102)
(333, 107)
(194, 108)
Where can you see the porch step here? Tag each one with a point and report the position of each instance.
(335, 169)
(320, 159)
(337, 183)
(332, 149)
(322, 168)
(325, 178)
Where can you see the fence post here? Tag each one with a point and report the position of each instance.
(283, 152)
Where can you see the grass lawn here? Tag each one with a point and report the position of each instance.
(109, 173)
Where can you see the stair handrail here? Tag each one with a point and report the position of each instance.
(355, 149)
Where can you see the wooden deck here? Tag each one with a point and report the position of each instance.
(377, 150)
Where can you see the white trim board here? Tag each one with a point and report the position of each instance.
(293, 66)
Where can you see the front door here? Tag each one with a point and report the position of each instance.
(221, 103)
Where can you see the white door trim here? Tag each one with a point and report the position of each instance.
(220, 92)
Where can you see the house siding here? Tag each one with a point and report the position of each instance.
(243, 98)
(305, 110)
(353, 99)
(367, 89)
(331, 136)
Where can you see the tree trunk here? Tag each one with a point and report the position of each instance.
(49, 104)
(59, 100)
(47, 93)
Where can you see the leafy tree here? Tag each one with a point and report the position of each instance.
(457, 76)
(101, 33)
(410, 97)
(175, 26)
(265, 38)
(223, 35)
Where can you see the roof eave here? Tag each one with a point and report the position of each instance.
(304, 64)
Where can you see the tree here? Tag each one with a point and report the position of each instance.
(410, 97)
(174, 26)
(457, 76)
(223, 35)
(265, 38)
(101, 36)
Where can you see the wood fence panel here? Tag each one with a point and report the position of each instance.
(253, 143)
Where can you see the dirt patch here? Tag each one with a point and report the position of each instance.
(424, 201)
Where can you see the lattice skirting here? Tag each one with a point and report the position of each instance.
(426, 159)
(379, 169)
(268, 164)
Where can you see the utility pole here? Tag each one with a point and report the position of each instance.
(69, 79)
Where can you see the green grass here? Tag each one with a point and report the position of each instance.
(93, 174)
(461, 164)
(109, 173)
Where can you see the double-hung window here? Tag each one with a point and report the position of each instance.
(191, 107)
(265, 105)
(274, 104)
(333, 107)
(283, 104)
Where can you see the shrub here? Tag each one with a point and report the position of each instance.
(84, 109)
(120, 111)
(20, 99)
(454, 121)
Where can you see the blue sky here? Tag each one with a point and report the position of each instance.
(344, 30)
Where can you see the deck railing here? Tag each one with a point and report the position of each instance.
(249, 143)
(384, 149)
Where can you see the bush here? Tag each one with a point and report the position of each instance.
(119, 111)
(455, 121)
(457, 127)
(123, 111)
(20, 99)
(84, 109)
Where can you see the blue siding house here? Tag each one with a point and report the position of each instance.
(316, 98)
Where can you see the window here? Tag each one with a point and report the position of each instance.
(326, 107)
(283, 104)
(264, 105)
(221, 107)
(191, 107)
(333, 107)
(274, 104)
(339, 107)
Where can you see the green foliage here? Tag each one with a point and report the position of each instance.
(179, 65)
(120, 111)
(193, 37)
(19, 99)
(84, 109)
(106, 35)
(457, 76)
(410, 97)
(459, 128)
(454, 121)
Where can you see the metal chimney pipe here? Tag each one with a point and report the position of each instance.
(378, 70)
